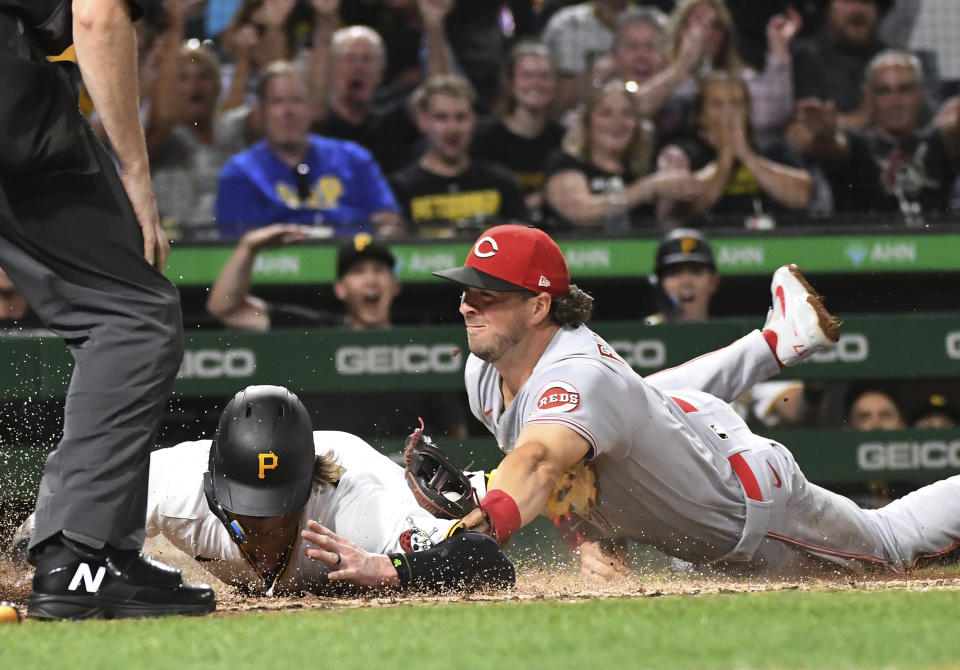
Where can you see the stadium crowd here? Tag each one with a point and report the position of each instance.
(438, 118)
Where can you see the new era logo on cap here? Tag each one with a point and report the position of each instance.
(514, 258)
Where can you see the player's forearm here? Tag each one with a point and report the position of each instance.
(528, 475)
(106, 49)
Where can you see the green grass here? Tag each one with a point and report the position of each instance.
(787, 629)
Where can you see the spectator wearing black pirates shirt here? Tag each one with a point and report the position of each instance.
(345, 108)
(523, 134)
(600, 180)
(446, 192)
(737, 177)
(892, 165)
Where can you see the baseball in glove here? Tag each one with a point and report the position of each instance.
(437, 483)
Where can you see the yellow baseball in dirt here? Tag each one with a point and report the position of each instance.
(9, 613)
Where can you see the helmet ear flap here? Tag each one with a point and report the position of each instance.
(234, 529)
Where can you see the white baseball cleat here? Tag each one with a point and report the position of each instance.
(798, 325)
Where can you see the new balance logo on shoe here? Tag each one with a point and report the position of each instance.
(91, 583)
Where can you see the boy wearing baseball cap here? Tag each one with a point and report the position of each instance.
(686, 277)
(366, 285)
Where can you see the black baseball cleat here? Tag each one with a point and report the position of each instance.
(111, 584)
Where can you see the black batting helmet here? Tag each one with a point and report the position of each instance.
(262, 457)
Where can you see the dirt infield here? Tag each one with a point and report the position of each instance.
(533, 583)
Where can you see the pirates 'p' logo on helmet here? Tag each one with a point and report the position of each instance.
(262, 457)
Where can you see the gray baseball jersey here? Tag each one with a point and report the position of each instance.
(371, 506)
(678, 469)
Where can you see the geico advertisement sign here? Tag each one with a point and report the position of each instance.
(415, 359)
(216, 363)
(642, 354)
(927, 455)
(851, 348)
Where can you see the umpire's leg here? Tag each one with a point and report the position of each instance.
(71, 243)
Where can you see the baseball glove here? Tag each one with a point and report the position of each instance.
(437, 483)
(575, 492)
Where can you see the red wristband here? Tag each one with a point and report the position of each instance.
(503, 513)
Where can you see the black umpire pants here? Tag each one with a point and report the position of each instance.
(71, 243)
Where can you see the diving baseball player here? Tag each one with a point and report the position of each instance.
(675, 468)
(246, 518)
(266, 505)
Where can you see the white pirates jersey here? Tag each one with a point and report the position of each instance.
(371, 506)
(659, 479)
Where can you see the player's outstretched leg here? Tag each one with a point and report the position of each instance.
(798, 325)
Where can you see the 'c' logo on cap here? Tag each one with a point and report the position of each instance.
(485, 254)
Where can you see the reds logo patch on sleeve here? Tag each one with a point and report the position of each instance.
(558, 397)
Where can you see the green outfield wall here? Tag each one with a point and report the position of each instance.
(325, 360)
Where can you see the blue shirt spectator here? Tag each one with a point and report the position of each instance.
(338, 184)
(292, 176)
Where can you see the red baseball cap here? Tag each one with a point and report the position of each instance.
(513, 258)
